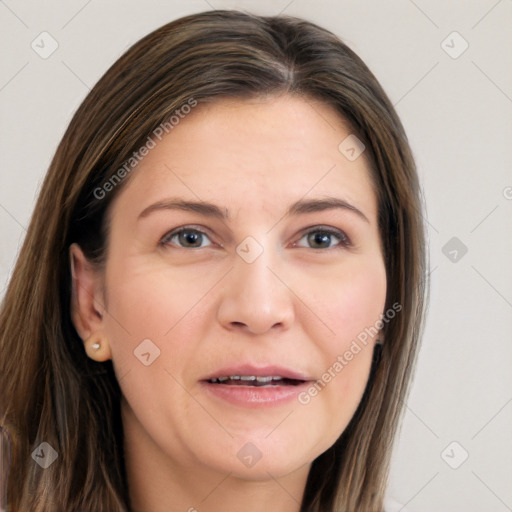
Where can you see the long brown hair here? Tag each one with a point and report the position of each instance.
(52, 392)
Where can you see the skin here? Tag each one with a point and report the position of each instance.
(296, 305)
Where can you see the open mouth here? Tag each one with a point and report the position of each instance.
(255, 381)
(247, 385)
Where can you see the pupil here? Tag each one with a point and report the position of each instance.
(190, 238)
(319, 239)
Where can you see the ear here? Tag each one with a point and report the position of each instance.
(87, 307)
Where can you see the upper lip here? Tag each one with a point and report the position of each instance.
(258, 371)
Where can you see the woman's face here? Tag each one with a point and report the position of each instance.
(245, 244)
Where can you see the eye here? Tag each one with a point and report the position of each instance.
(187, 238)
(324, 238)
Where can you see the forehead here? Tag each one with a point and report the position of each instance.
(261, 154)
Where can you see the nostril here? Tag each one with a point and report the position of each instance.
(244, 325)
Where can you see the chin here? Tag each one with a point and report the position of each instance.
(258, 458)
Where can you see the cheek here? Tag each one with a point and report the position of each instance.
(351, 305)
(152, 311)
(150, 301)
(158, 318)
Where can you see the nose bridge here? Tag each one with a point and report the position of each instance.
(254, 298)
(253, 279)
(254, 275)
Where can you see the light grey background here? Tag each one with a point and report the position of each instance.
(458, 116)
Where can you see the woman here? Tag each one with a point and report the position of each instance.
(220, 296)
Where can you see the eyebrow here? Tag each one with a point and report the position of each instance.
(302, 206)
(319, 205)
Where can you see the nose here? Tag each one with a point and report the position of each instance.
(254, 298)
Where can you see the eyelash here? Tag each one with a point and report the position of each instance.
(344, 240)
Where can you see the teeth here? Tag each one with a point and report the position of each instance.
(248, 378)
(264, 379)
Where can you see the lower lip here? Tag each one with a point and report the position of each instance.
(255, 397)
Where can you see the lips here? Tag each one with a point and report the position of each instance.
(255, 386)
